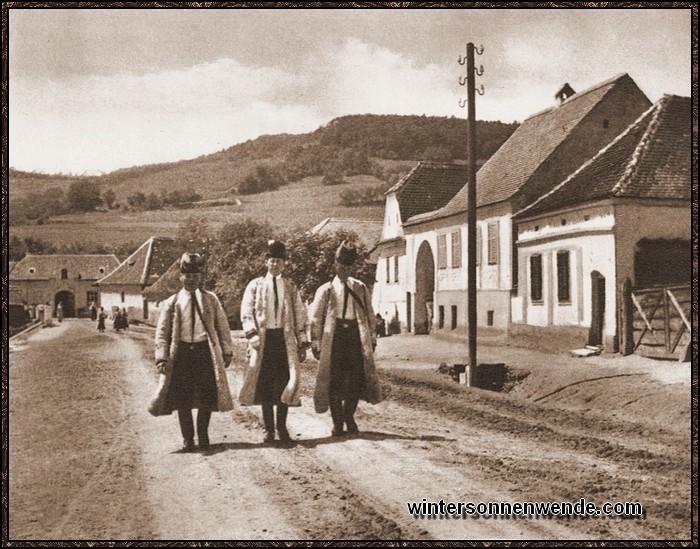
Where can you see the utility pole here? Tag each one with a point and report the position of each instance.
(471, 201)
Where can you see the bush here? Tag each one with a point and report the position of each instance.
(265, 178)
(394, 325)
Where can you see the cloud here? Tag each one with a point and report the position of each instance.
(102, 123)
(364, 78)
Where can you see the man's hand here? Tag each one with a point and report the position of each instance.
(161, 365)
(302, 352)
(254, 342)
(227, 359)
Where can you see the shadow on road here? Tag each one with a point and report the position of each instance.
(313, 442)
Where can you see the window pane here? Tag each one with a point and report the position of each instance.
(536, 278)
(442, 251)
(493, 243)
(563, 276)
(456, 250)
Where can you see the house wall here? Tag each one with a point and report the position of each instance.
(389, 298)
(638, 220)
(392, 227)
(33, 292)
(588, 235)
(132, 301)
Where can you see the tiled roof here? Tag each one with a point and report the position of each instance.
(166, 285)
(145, 265)
(427, 187)
(49, 267)
(369, 232)
(651, 159)
(532, 143)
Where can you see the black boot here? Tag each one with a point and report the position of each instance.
(269, 420)
(349, 407)
(203, 417)
(184, 416)
(282, 431)
(336, 405)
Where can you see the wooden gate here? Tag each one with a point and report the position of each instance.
(656, 321)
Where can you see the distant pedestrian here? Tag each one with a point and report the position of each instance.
(193, 348)
(343, 339)
(125, 319)
(118, 322)
(101, 316)
(59, 311)
(93, 311)
(381, 325)
(274, 321)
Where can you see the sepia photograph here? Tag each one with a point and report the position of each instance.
(369, 272)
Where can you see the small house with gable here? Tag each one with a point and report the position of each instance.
(123, 287)
(625, 215)
(427, 187)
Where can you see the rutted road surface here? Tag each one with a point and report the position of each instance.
(87, 461)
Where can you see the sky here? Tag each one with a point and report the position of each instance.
(95, 90)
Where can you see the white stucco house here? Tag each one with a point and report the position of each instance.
(123, 287)
(542, 152)
(427, 187)
(623, 215)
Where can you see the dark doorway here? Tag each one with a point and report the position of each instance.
(425, 288)
(595, 335)
(68, 300)
(662, 262)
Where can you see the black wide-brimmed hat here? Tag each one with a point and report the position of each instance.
(191, 263)
(346, 254)
(276, 249)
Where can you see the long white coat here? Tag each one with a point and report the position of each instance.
(253, 313)
(322, 317)
(220, 343)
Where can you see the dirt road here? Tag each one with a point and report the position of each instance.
(87, 462)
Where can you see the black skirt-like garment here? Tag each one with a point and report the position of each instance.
(347, 374)
(193, 384)
(274, 368)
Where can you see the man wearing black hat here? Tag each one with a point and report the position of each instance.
(274, 321)
(193, 348)
(343, 338)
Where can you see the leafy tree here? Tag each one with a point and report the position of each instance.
(437, 153)
(237, 256)
(311, 260)
(19, 247)
(195, 235)
(109, 197)
(38, 205)
(136, 200)
(365, 196)
(265, 178)
(333, 176)
(83, 196)
(153, 202)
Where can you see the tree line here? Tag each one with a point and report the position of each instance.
(88, 195)
(235, 255)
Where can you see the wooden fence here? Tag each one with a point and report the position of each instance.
(656, 321)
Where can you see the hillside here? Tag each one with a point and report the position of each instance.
(374, 137)
(365, 153)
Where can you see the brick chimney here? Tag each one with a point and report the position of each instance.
(564, 93)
